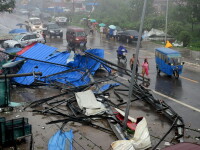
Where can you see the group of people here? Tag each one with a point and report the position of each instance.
(109, 33)
(145, 66)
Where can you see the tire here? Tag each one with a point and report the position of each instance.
(176, 74)
(158, 70)
(125, 60)
(17, 46)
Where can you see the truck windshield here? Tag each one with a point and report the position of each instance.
(17, 37)
(36, 22)
(175, 60)
(53, 26)
(80, 34)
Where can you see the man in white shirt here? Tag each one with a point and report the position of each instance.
(114, 33)
(101, 31)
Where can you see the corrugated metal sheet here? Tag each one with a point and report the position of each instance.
(47, 53)
(40, 52)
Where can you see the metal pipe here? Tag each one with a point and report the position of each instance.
(166, 133)
(20, 75)
(134, 67)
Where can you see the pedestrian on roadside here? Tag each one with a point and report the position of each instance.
(111, 33)
(101, 29)
(114, 34)
(145, 68)
(91, 31)
(132, 62)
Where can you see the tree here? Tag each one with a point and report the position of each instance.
(188, 10)
(112, 12)
(7, 5)
(136, 9)
(185, 37)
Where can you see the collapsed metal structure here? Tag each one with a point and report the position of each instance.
(140, 92)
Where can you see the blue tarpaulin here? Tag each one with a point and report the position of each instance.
(18, 31)
(61, 141)
(46, 53)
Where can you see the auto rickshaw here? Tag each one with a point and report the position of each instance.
(168, 61)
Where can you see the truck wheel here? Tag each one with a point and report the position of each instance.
(17, 46)
(176, 75)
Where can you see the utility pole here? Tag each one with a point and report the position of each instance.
(134, 67)
(166, 21)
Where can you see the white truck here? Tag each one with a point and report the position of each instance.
(35, 24)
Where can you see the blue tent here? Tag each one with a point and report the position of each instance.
(18, 31)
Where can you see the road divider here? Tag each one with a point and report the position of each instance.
(177, 101)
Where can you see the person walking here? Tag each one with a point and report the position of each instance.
(114, 34)
(145, 68)
(132, 62)
(101, 29)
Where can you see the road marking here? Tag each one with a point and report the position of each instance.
(192, 64)
(184, 104)
(189, 79)
(107, 53)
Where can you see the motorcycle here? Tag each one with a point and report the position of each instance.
(122, 55)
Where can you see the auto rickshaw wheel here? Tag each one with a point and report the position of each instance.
(176, 75)
(158, 70)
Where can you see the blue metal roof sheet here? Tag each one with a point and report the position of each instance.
(40, 51)
(167, 50)
(77, 78)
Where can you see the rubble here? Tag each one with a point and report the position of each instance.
(86, 100)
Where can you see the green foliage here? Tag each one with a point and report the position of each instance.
(136, 7)
(156, 22)
(185, 37)
(174, 28)
(125, 14)
(7, 5)
(112, 12)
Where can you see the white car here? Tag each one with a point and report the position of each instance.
(23, 40)
(35, 24)
(61, 20)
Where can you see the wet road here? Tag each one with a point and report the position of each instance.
(182, 94)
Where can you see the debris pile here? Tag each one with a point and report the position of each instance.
(86, 98)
